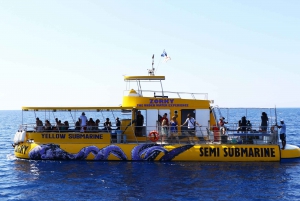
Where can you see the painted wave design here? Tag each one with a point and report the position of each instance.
(54, 152)
(144, 152)
(149, 152)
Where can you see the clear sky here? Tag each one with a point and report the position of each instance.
(75, 53)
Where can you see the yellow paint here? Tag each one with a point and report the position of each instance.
(290, 153)
(198, 152)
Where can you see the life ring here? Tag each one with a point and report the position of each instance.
(153, 136)
(215, 128)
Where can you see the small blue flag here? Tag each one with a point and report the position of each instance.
(164, 54)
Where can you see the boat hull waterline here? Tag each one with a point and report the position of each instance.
(155, 152)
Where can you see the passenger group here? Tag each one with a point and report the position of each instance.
(82, 125)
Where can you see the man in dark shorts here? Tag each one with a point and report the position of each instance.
(139, 124)
(282, 133)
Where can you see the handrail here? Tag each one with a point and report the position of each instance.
(179, 94)
(202, 135)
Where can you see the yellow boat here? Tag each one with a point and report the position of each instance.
(149, 141)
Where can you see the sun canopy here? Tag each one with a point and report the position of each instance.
(144, 77)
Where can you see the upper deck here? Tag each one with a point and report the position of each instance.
(137, 95)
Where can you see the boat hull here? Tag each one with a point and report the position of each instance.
(155, 152)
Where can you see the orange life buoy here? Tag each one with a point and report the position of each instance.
(153, 136)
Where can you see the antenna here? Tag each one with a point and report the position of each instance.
(151, 71)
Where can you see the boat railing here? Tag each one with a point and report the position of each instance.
(231, 134)
(71, 128)
(170, 94)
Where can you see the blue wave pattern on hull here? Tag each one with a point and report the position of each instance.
(145, 152)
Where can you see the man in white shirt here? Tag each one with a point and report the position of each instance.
(191, 124)
(282, 133)
(83, 120)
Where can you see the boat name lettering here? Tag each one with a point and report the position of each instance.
(249, 152)
(85, 136)
(54, 136)
(209, 151)
(162, 105)
(237, 152)
(71, 136)
(21, 149)
(161, 101)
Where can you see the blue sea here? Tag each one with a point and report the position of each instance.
(81, 180)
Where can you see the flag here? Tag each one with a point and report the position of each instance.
(167, 58)
(164, 54)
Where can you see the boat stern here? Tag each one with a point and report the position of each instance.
(291, 152)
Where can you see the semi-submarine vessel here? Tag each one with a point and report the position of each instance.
(45, 137)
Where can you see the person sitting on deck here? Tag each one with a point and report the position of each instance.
(77, 125)
(39, 125)
(249, 126)
(90, 124)
(66, 125)
(48, 126)
(97, 124)
(107, 125)
(239, 128)
(56, 124)
(60, 126)
(244, 124)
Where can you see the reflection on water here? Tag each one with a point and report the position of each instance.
(135, 180)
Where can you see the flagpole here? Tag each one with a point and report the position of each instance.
(151, 71)
(153, 64)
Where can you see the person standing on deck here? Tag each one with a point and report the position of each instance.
(107, 125)
(118, 124)
(191, 124)
(83, 121)
(222, 125)
(139, 124)
(165, 125)
(264, 122)
(282, 133)
(173, 128)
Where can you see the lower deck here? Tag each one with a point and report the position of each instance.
(108, 146)
(118, 136)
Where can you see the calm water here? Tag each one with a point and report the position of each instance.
(79, 180)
